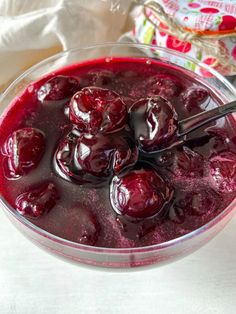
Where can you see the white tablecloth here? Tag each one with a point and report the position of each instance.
(34, 282)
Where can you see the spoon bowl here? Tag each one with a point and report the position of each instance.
(194, 122)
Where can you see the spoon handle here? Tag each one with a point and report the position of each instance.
(190, 124)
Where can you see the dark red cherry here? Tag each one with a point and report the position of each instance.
(94, 154)
(96, 109)
(223, 171)
(139, 193)
(220, 140)
(176, 214)
(193, 97)
(64, 158)
(164, 85)
(59, 87)
(101, 155)
(81, 226)
(99, 78)
(187, 163)
(38, 200)
(88, 158)
(155, 123)
(199, 202)
(129, 84)
(137, 228)
(24, 148)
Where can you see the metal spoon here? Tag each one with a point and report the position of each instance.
(190, 124)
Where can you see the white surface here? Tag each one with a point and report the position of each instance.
(33, 282)
(30, 28)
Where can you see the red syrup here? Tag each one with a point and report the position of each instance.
(74, 154)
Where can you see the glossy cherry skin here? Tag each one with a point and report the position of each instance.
(81, 226)
(223, 171)
(139, 193)
(155, 123)
(37, 200)
(95, 110)
(57, 88)
(86, 158)
(23, 149)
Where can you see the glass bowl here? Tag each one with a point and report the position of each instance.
(110, 257)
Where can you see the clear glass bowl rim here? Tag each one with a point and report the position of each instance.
(143, 249)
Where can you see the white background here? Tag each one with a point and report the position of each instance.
(33, 282)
